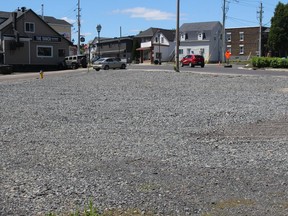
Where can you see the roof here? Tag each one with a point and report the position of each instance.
(200, 26)
(4, 16)
(53, 20)
(20, 13)
(169, 34)
(147, 33)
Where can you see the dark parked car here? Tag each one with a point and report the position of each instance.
(193, 60)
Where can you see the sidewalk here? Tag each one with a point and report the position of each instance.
(36, 75)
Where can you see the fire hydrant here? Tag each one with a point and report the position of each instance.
(41, 74)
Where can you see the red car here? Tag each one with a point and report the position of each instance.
(193, 60)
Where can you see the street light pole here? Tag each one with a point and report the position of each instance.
(177, 38)
(79, 27)
(98, 28)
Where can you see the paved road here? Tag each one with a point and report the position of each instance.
(214, 69)
(219, 69)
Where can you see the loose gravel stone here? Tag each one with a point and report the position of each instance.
(160, 142)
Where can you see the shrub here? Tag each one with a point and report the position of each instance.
(261, 62)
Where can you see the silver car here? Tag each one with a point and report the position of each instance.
(107, 63)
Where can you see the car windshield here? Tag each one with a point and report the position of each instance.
(101, 59)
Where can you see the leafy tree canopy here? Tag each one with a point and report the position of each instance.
(278, 37)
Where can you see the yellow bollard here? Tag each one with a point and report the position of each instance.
(41, 74)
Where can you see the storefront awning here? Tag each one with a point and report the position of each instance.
(144, 48)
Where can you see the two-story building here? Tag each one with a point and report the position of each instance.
(120, 47)
(28, 42)
(243, 42)
(203, 38)
(156, 44)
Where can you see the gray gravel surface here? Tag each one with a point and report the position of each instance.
(160, 142)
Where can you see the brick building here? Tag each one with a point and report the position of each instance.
(243, 42)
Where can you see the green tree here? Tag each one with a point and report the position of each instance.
(278, 37)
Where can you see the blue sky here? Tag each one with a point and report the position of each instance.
(134, 16)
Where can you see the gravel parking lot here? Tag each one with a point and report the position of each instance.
(158, 142)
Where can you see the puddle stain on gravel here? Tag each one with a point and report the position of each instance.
(148, 187)
(234, 203)
(285, 90)
(221, 207)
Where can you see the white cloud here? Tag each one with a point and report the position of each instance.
(71, 21)
(146, 13)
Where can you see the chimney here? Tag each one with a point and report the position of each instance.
(14, 19)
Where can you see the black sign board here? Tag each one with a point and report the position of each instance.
(47, 38)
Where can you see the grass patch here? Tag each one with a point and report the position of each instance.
(91, 210)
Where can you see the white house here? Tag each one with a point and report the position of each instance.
(202, 38)
(156, 44)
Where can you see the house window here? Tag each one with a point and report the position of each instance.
(158, 55)
(184, 37)
(162, 40)
(180, 51)
(241, 47)
(241, 34)
(188, 51)
(201, 51)
(228, 35)
(29, 27)
(45, 51)
(156, 39)
(201, 36)
(61, 53)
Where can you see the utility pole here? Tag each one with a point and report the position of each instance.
(42, 8)
(79, 26)
(223, 31)
(119, 43)
(225, 10)
(260, 28)
(177, 37)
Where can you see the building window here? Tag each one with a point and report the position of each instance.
(45, 51)
(203, 36)
(61, 53)
(241, 47)
(180, 51)
(188, 51)
(186, 36)
(228, 35)
(29, 27)
(156, 39)
(229, 48)
(201, 51)
(158, 55)
(200, 37)
(241, 34)
(162, 40)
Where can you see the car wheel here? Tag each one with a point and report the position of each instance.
(97, 69)
(202, 65)
(182, 65)
(106, 67)
(191, 65)
(123, 66)
(74, 66)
